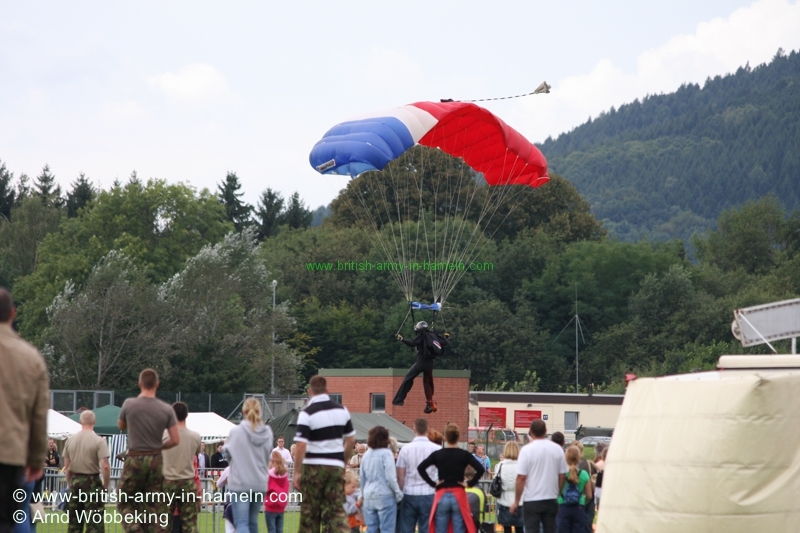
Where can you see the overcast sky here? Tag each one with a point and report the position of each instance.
(187, 91)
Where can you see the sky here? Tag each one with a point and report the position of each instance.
(187, 91)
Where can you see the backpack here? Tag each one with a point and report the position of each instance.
(572, 495)
(433, 345)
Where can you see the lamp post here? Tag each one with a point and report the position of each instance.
(272, 386)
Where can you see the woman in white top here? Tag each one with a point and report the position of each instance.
(507, 470)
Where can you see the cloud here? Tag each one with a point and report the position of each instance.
(192, 83)
(750, 34)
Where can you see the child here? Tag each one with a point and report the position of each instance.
(577, 490)
(227, 511)
(277, 493)
(352, 495)
(476, 498)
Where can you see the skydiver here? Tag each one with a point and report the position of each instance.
(425, 344)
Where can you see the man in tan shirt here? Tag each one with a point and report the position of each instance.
(179, 485)
(24, 401)
(85, 455)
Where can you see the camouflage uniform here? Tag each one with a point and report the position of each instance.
(185, 501)
(142, 476)
(323, 499)
(91, 489)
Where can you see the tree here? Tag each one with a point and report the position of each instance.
(101, 336)
(296, 215)
(220, 305)
(7, 193)
(47, 189)
(156, 225)
(268, 213)
(237, 211)
(30, 222)
(81, 194)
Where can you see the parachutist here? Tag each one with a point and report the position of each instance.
(429, 345)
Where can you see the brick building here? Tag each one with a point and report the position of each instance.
(370, 390)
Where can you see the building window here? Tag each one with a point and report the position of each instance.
(336, 397)
(570, 420)
(377, 403)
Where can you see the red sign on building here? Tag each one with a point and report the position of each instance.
(524, 418)
(492, 415)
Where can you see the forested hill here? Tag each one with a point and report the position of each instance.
(668, 165)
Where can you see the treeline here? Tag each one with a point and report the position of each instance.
(151, 273)
(668, 165)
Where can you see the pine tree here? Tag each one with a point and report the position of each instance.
(81, 194)
(7, 193)
(297, 215)
(238, 211)
(47, 188)
(268, 213)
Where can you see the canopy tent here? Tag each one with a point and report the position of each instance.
(60, 427)
(107, 417)
(286, 425)
(210, 426)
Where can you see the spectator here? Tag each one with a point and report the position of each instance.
(450, 504)
(227, 512)
(380, 492)
(351, 506)
(248, 452)
(277, 493)
(355, 460)
(480, 455)
(145, 417)
(541, 472)
(471, 447)
(218, 460)
(202, 458)
(292, 451)
(476, 499)
(52, 460)
(591, 468)
(417, 495)
(287, 456)
(179, 485)
(576, 491)
(24, 400)
(435, 437)
(507, 470)
(558, 438)
(85, 457)
(325, 436)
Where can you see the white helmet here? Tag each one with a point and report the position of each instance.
(421, 325)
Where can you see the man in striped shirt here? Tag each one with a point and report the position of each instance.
(417, 494)
(325, 436)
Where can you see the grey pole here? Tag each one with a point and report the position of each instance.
(272, 385)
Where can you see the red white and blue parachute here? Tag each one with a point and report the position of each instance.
(461, 129)
(452, 229)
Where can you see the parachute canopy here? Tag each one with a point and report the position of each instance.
(461, 129)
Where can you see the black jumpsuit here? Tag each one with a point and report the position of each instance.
(423, 365)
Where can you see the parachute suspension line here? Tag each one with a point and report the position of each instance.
(403, 322)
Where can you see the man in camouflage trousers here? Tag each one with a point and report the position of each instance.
(85, 455)
(179, 471)
(325, 437)
(142, 501)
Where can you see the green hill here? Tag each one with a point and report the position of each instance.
(668, 165)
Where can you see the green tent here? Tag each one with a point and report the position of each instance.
(107, 417)
(286, 425)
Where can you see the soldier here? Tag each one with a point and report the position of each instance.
(145, 417)
(85, 454)
(179, 485)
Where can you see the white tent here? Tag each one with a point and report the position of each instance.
(211, 426)
(60, 427)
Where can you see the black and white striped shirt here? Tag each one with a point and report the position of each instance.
(323, 425)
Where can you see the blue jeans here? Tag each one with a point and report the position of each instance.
(448, 511)
(415, 511)
(571, 519)
(274, 522)
(379, 514)
(245, 507)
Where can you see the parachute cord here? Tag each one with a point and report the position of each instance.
(403, 323)
(544, 88)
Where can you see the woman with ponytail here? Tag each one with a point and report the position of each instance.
(576, 492)
(248, 452)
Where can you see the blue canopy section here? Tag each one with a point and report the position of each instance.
(358, 146)
(417, 306)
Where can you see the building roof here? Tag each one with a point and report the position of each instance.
(547, 398)
(286, 425)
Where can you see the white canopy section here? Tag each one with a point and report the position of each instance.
(211, 426)
(60, 427)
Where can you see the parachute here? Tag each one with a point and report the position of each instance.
(423, 205)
